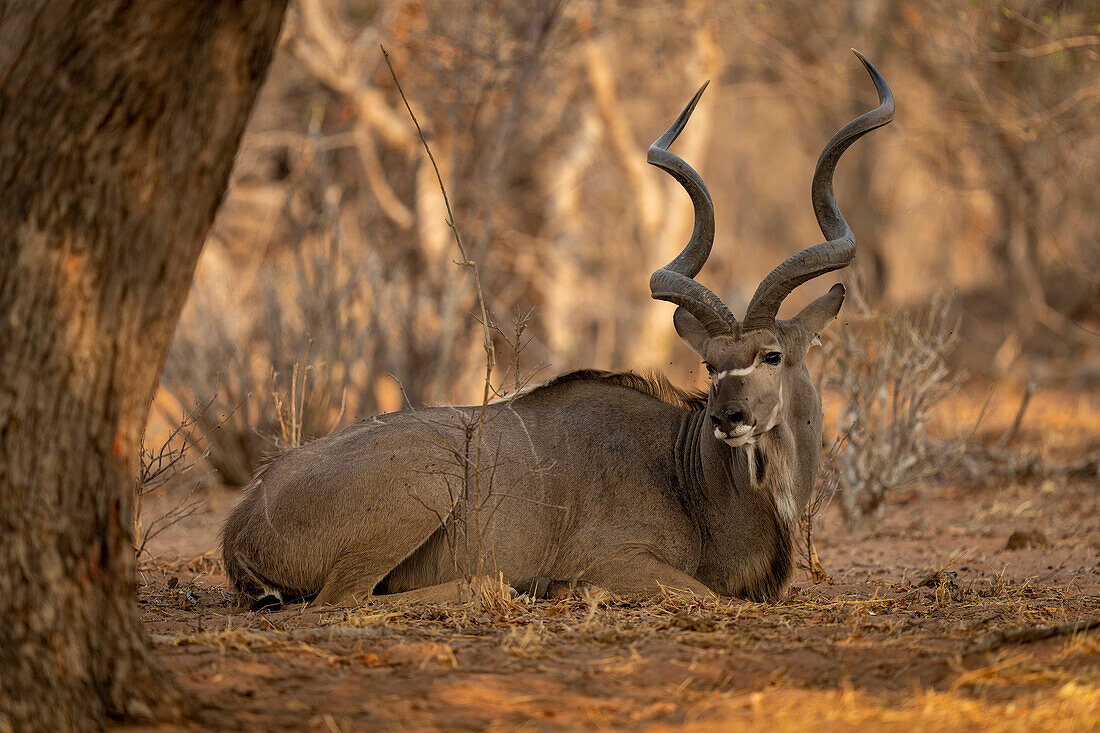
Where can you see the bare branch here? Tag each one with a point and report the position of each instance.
(1010, 433)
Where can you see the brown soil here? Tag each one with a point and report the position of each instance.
(900, 641)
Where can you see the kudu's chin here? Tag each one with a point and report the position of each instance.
(739, 436)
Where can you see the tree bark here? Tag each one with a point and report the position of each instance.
(119, 122)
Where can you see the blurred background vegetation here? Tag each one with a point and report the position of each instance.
(332, 251)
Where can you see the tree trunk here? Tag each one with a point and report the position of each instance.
(119, 122)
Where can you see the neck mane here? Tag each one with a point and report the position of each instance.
(743, 499)
(656, 385)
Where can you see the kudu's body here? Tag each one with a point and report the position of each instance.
(620, 481)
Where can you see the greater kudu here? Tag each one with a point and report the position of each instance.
(625, 482)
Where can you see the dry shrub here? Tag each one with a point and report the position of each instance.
(333, 252)
(159, 467)
(280, 374)
(889, 373)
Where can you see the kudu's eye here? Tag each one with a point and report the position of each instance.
(773, 357)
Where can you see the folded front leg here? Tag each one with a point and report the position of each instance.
(644, 574)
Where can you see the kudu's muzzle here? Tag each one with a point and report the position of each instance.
(733, 420)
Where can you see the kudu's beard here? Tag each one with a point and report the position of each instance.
(768, 464)
(769, 469)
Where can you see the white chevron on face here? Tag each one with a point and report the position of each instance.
(734, 373)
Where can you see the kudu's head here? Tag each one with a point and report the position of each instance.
(756, 365)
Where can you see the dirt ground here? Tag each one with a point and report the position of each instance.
(931, 623)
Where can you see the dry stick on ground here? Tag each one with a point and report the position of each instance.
(490, 354)
(1029, 634)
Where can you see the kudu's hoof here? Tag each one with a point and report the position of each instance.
(543, 588)
(267, 602)
(273, 600)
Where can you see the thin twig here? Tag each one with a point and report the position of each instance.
(490, 354)
(183, 509)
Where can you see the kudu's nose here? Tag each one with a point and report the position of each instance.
(732, 421)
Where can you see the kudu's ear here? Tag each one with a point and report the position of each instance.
(690, 329)
(817, 314)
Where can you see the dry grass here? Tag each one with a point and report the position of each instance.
(718, 622)
(523, 650)
(1072, 707)
(911, 633)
